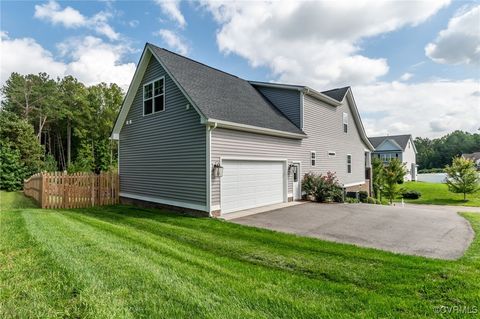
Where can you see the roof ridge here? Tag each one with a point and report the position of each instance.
(390, 135)
(195, 61)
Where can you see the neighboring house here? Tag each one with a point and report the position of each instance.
(195, 137)
(475, 157)
(400, 147)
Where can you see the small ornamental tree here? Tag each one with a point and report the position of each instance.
(462, 176)
(392, 173)
(377, 176)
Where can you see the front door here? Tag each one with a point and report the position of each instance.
(297, 185)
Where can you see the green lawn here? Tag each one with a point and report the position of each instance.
(438, 194)
(126, 262)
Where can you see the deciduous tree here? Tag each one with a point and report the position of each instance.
(462, 176)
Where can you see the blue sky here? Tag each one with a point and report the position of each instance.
(378, 49)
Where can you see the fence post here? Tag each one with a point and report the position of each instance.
(92, 183)
(43, 194)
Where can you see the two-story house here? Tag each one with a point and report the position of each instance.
(400, 147)
(195, 137)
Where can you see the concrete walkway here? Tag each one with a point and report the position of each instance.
(424, 230)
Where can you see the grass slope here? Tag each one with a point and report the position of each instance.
(127, 262)
(438, 194)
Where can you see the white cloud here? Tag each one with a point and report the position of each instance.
(25, 56)
(52, 12)
(171, 8)
(431, 108)
(94, 61)
(314, 43)
(72, 18)
(133, 23)
(89, 59)
(459, 43)
(173, 41)
(406, 76)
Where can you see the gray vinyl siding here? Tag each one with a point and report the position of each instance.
(324, 127)
(230, 143)
(287, 101)
(163, 155)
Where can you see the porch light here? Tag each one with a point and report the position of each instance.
(217, 170)
(292, 169)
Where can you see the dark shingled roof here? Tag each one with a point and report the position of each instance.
(401, 140)
(337, 94)
(473, 156)
(223, 96)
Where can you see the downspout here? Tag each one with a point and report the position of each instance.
(209, 167)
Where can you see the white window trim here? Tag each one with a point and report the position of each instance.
(344, 122)
(313, 158)
(153, 96)
(351, 160)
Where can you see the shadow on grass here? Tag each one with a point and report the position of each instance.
(439, 201)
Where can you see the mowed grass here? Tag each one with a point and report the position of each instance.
(128, 262)
(438, 194)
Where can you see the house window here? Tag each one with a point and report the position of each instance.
(345, 122)
(313, 157)
(349, 163)
(154, 96)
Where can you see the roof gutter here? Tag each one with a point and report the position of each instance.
(253, 129)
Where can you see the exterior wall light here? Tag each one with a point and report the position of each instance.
(292, 169)
(217, 170)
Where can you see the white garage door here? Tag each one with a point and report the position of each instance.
(248, 184)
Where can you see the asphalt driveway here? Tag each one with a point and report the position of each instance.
(437, 232)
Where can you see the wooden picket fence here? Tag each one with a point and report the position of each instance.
(78, 190)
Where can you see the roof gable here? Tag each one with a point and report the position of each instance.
(337, 94)
(400, 140)
(388, 145)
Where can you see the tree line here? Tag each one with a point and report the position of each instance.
(51, 124)
(439, 152)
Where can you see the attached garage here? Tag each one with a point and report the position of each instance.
(252, 183)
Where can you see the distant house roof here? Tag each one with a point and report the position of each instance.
(223, 96)
(473, 156)
(337, 94)
(401, 140)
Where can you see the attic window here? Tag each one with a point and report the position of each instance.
(154, 96)
(345, 122)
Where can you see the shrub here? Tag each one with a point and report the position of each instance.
(351, 200)
(338, 195)
(322, 187)
(309, 184)
(371, 200)
(430, 170)
(12, 169)
(411, 194)
(362, 196)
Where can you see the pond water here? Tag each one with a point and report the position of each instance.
(432, 177)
